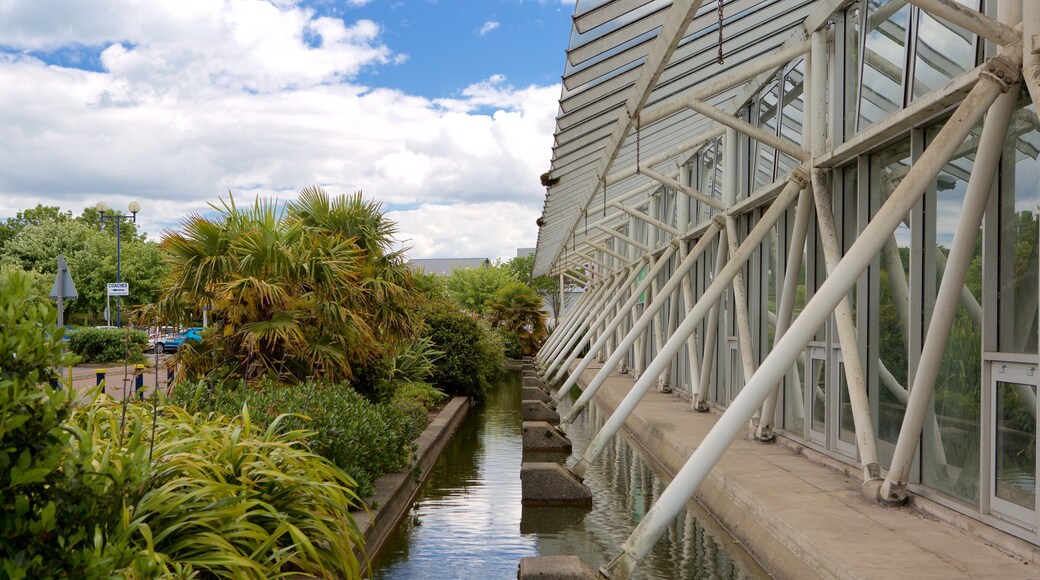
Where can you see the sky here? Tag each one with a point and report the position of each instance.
(442, 110)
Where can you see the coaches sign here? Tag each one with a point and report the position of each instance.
(119, 289)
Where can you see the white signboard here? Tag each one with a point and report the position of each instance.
(119, 289)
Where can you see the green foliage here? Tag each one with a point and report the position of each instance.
(366, 440)
(517, 308)
(511, 346)
(471, 288)
(105, 345)
(473, 354)
(305, 289)
(410, 363)
(32, 242)
(205, 503)
(34, 534)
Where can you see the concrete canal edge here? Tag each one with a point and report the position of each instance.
(396, 492)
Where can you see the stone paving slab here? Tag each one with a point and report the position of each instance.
(803, 518)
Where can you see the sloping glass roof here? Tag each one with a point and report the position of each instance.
(605, 74)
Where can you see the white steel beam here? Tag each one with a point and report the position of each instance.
(971, 20)
(980, 185)
(712, 294)
(859, 256)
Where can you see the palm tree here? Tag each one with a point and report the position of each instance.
(298, 290)
(518, 308)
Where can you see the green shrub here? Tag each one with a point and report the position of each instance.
(366, 440)
(202, 499)
(36, 540)
(473, 354)
(510, 342)
(105, 345)
(413, 362)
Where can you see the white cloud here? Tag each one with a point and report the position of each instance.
(480, 230)
(488, 27)
(200, 98)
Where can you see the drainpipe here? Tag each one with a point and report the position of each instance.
(816, 312)
(711, 296)
(611, 328)
(980, 185)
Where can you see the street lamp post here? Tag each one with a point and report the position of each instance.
(102, 208)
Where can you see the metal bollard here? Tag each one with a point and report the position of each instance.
(139, 381)
(99, 377)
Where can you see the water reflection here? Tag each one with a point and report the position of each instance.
(468, 522)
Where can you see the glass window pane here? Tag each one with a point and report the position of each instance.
(1018, 235)
(884, 60)
(792, 114)
(887, 169)
(818, 383)
(950, 457)
(851, 68)
(846, 422)
(943, 51)
(1015, 457)
(767, 116)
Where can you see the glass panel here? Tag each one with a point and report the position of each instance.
(846, 423)
(1015, 457)
(887, 169)
(943, 51)
(851, 69)
(819, 394)
(884, 60)
(1019, 228)
(950, 457)
(793, 115)
(707, 170)
(766, 156)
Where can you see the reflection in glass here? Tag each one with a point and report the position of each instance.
(792, 115)
(884, 59)
(887, 169)
(950, 457)
(943, 51)
(851, 69)
(706, 174)
(766, 156)
(1015, 461)
(1018, 234)
(846, 422)
(819, 394)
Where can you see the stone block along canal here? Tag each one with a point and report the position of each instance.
(469, 523)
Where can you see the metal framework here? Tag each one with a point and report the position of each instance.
(808, 215)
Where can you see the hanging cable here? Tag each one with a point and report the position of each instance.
(721, 18)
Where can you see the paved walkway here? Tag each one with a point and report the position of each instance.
(804, 519)
(119, 378)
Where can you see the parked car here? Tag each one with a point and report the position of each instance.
(171, 343)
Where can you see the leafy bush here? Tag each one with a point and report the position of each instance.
(104, 345)
(416, 400)
(510, 342)
(33, 446)
(366, 440)
(205, 503)
(90, 493)
(409, 363)
(473, 354)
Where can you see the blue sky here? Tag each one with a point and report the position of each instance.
(442, 110)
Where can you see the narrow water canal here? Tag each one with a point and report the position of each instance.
(468, 521)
